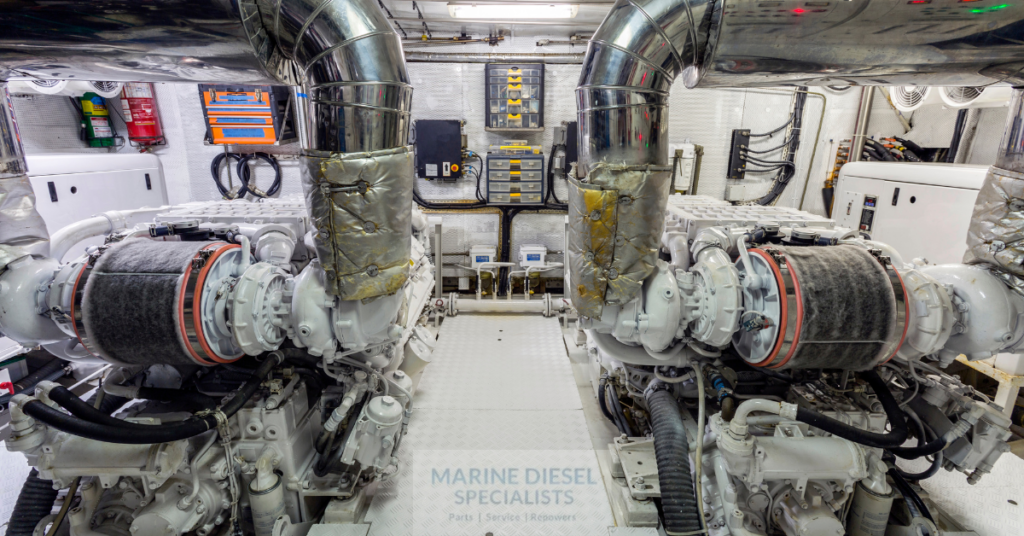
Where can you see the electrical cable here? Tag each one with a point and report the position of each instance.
(787, 172)
(913, 500)
(245, 175)
(769, 133)
(215, 171)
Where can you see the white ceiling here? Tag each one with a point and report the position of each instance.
(441, 24)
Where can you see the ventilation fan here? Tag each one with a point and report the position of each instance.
(36, 87)
(910, 98)
(106, 89)
(975, 97)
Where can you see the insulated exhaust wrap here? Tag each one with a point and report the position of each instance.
(359, 203)
(615, 225)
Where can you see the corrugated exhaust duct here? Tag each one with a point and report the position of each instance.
(353, 101)
(617, 205)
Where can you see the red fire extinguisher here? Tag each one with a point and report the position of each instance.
(138, 100)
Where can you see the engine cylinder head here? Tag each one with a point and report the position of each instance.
(835, 307)
(146, 302)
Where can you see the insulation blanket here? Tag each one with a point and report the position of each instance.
(361, 206)
(996, 233)
(616, 219)
(22, 230)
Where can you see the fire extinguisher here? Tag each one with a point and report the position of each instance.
(138, 101)
(96, 128)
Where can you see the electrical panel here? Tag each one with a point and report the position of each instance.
(482, 255)
(515, 174)
(514, 97)
(246, 115)
(738, 154)
(533, 255)
(439, 149)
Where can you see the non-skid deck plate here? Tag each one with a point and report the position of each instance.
(497, 442)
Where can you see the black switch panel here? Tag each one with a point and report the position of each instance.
(572, 133)
(439, 149)
(895, 196)
(53, 191)
(149, 183)
(738, 154)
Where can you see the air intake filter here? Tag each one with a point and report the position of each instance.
(147, 302)
(821, 307)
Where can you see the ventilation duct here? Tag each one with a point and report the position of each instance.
(617, 200)
(352, 103)
(909, 98)
(976, 97)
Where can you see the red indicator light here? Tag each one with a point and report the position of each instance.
(968, 1)
(919, 2)
(799, 10)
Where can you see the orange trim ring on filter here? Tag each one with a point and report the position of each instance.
(906, 315)
(799, 315)
(197, 299)
(76, 310)
(783, 309)
(188, 287)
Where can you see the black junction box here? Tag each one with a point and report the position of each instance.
(439, 149)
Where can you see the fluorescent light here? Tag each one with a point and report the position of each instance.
(513, 11)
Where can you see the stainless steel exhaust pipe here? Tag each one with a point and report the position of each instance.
(354, 97)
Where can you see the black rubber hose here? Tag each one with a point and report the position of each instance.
(602, 402)
(626, 428)
(215, 171)
(245, 174)
(34, 503)
(914, 503)
(912, 453)
(48, 372)
(192, 400)
(898, 423)
(118, 431)
(678, 502)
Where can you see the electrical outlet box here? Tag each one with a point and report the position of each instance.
(439, 149)
(532, 255)
(482, 254)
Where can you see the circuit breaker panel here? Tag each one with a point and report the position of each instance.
(515, 174)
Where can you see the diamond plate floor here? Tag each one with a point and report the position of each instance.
(499, 395)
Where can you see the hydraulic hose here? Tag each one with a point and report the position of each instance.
(112, 430)
(896, 436)
(245, 175)
(215, 171)
(910, 453)
(48, 372)
(34, 503)
(678, 502)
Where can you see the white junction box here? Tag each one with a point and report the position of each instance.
(482, 254)
(532, 255)
(923, 210)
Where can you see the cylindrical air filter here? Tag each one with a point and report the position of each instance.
(821, 307)
(147, 302)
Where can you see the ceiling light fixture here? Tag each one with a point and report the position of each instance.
(512, 11)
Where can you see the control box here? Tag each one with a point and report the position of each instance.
(532, 255)
(482, 254)
(439, 149)
(246, 115)
(514, 97)
(515, 174)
